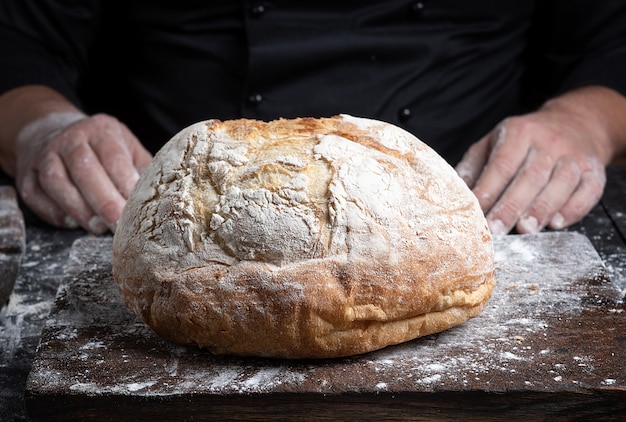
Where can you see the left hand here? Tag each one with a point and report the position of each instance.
(543, 169)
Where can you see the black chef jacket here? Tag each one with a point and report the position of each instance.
(446, 70)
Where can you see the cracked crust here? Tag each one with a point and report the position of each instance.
(302, 238)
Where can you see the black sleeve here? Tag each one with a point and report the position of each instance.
(575, 43)
(46, 42)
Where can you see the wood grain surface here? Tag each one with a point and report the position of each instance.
(12, 241)
(549, 346)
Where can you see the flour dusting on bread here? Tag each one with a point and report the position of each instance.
(301, 238)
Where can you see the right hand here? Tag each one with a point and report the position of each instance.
(80, 174)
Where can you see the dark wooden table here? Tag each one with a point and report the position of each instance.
(47, 249)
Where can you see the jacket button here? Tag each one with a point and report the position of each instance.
(255, 99)
(257, 10)
(404, 114)
(417, 8)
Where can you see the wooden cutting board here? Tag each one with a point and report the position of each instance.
(551, 343)
(12, 241)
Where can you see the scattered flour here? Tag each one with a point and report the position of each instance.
(508, 342)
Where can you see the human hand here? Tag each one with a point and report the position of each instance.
(74, 170)
(543, 169)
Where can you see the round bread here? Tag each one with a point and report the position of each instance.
(303, 238)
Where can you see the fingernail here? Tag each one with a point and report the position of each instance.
(497, 227)
(557, 222)
(528, 224)
(97, 225)
(464, 173)
(136, 176)
(70, 223)
(485, 196)
(113, 227)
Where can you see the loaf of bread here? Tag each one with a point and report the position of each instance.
(303, 238)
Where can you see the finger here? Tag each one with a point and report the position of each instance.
(530, 180)
(41, 204)
(121, 154)
(471, 165)
(116, 161)
(56, 183)
(142, 158)
(507, 156)
(563, 182)
(93, 183)
(584, 198)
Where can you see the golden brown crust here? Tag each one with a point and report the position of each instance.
(301, 238)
